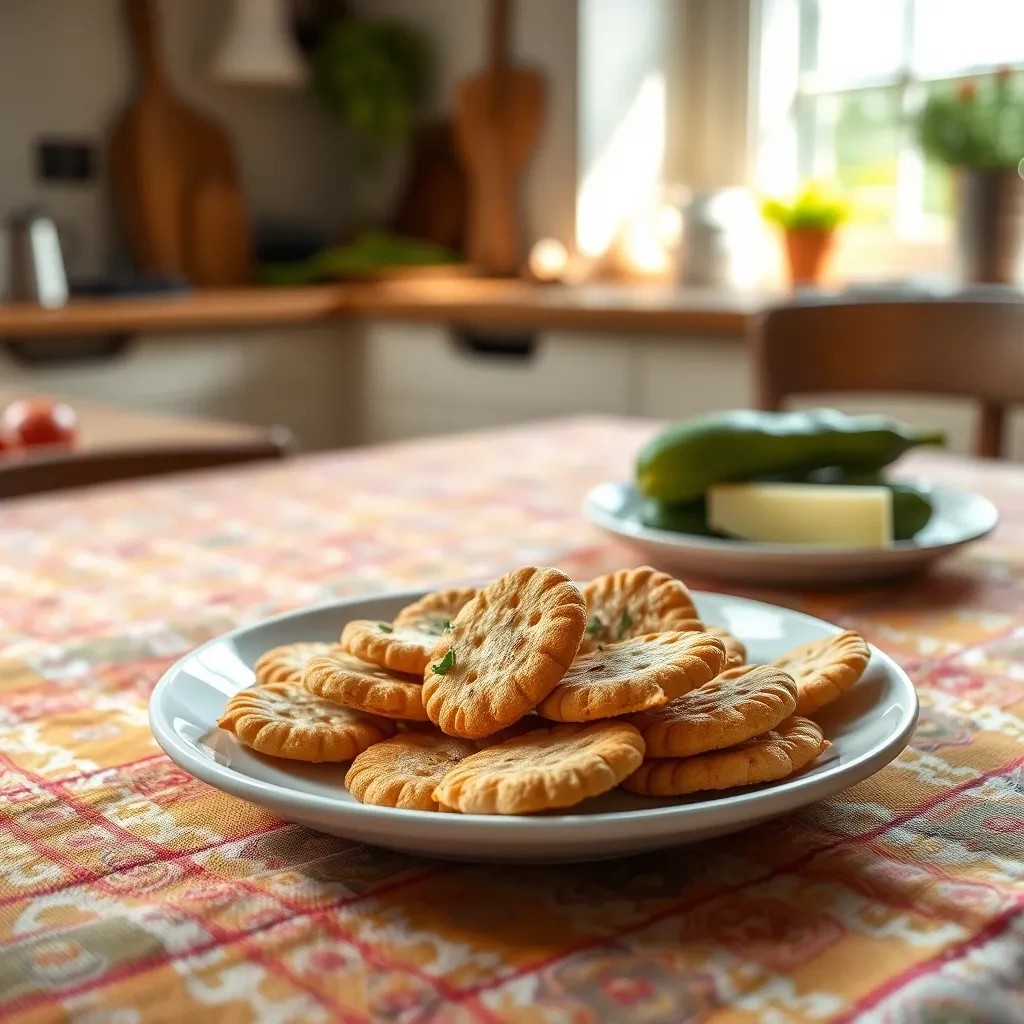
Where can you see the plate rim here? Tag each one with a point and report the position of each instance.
(635, 531)
(786, 795)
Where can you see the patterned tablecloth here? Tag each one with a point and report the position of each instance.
(131, 892)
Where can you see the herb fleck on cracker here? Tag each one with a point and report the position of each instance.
(624, 623)
(445, 665)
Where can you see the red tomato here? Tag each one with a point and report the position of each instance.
(38, 421)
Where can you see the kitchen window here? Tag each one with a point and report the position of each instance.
(839, 81)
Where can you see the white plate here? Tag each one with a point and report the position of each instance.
(868, 728)
(959, 517)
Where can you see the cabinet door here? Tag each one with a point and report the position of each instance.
(684, 376)
(426, 379)
(307, 379)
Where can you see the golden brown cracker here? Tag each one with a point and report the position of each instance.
(505, 652)
(635, 602)
(435, 612)
(353, 683)
(643, 672)
(543, 770)
(737, 705)
(400, 648)
(825, 668)
(285, 664)
(735, 649)
(405, 770)
(285, 720)
(775, 755)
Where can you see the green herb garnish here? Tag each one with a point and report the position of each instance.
(447, 625)
(624, 623)
(594, 626)
(385, 628)
(445, 665)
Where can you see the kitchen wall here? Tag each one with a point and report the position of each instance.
(66, 71)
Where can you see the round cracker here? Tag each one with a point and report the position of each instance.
(635, 602)
(735, 649)
(775, 755)
(400, 648)
(643, 672)
(285, 720)
(405, 770)
(435, 612)
(544, 769)
(737, 705)
(353, 683)
(505, 652)
(825, 668)
(285, 664)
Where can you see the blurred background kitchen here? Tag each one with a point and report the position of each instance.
(376, 219)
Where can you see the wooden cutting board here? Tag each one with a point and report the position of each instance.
(498, 115)
(175, 183)
(433, 203)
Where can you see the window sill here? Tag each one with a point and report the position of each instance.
(867, 255)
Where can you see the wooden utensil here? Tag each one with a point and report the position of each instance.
(217, 252)
(176, 186)
(498, 114)
(433, 205)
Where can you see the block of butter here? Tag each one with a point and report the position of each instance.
(823, 514)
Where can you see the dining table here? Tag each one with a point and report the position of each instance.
(133, 892)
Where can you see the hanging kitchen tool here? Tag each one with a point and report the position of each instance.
(433, 204)
(173, 174)
(498, 115)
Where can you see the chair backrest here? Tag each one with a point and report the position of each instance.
(36, 475)
(964, 346)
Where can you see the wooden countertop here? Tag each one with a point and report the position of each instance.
(482, 303)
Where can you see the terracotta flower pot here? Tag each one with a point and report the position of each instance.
(807, 250)
(989, 224)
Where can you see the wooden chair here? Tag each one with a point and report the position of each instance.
(59, 471)
(968, 346)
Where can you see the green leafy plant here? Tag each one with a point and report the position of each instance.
(365, 253)
(975, 122)
(371, 75)
(815, 207)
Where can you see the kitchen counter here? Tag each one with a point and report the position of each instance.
(483, 303)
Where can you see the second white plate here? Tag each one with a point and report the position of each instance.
(868, 727)
(959, 517)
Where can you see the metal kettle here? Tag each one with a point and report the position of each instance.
(31, 260)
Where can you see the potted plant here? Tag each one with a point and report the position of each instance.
(371, 75)
(809, 221)
(977, 128)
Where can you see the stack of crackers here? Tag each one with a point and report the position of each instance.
(532, 694)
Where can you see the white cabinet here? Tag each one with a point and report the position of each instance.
(680, 377)
(305, 378)
(421, 379)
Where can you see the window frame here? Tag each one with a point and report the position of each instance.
(911, 225)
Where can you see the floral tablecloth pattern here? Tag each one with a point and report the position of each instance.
(130, 892)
